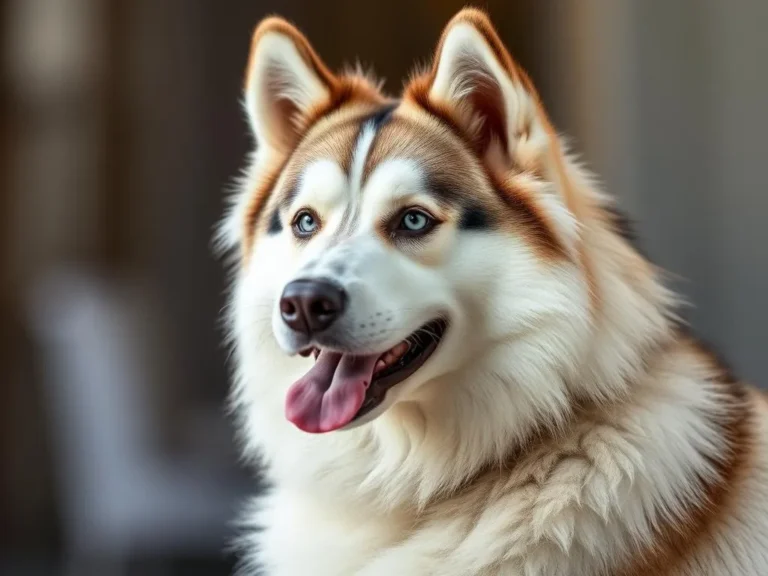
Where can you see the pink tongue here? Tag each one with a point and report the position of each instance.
(328, 396)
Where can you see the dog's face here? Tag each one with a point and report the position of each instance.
(386, 244)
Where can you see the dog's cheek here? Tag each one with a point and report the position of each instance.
(494, 275)
(432, 251)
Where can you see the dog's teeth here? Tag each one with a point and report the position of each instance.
(396, 352)
(392, 356)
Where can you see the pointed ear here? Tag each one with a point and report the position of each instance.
(286, 82)
(476, 84)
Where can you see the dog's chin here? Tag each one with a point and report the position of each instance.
(356, 387)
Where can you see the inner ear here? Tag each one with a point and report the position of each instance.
(469, 78)
(484, 99)
(287, 109)
(286, 83)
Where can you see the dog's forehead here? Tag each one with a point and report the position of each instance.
(383, 150)
(442, 156)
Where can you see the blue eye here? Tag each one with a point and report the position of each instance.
(415, 222)
(305, 224)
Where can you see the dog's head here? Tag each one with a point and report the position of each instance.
(386, 245)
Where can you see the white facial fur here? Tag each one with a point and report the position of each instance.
(484, 282)
(519, 323)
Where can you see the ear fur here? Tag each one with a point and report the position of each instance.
(286, 83)
(477, 86)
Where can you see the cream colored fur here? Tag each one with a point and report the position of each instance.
(563, 423)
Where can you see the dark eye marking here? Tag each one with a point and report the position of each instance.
(275, 225)
(474, 218)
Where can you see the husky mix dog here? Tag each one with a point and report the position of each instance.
(448, 355)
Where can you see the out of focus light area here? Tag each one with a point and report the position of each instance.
(120, 130)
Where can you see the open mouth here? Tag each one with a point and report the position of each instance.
(342, 387)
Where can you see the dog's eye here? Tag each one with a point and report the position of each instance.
(415, 221)
(305, 224)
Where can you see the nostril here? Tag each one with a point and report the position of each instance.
(322, 308)
(287, 307)
(293, 315)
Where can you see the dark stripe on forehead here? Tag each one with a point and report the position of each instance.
(382, 116)
(374, 122)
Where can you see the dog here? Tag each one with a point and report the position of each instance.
(449, 356)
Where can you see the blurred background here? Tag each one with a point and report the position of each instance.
(120, 128)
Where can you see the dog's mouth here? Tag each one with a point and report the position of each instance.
(342, 387)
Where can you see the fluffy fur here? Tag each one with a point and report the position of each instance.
(566, 425)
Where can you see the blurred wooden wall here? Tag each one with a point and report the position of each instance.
(51, 168)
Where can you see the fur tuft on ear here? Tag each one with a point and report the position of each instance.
(286, 84)
(475, 85)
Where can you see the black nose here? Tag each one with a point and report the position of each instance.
(310, 306)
